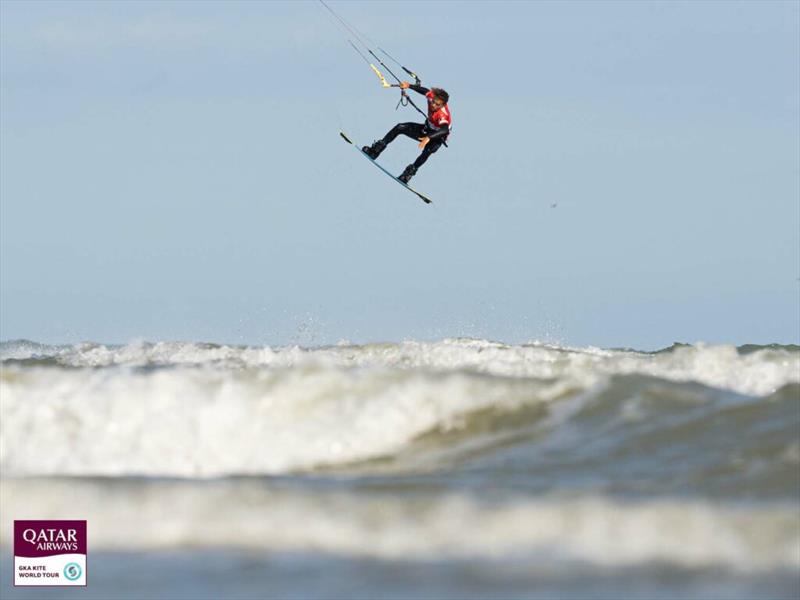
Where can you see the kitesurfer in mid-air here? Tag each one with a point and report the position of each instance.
(431, 134)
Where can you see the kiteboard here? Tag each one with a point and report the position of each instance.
(424, 198)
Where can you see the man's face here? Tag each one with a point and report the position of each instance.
(437, 103)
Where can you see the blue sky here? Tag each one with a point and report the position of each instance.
(173, 171)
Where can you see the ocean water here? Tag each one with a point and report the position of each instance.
(453, 469)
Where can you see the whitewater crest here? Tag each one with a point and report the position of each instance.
(749, 369)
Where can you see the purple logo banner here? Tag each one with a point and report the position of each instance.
(49, 538)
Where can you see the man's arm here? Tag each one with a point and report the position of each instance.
(440, 132)
(417, 88)
(437, 133)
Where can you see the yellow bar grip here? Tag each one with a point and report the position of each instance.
(384, 83)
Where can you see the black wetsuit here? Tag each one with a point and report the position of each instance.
(416, 131)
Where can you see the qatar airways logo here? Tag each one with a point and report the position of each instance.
(52, 539)
(50, 553)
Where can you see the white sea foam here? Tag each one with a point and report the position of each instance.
(204, 422)
(152, 515)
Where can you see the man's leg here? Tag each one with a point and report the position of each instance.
(412, 130)
(411, 169)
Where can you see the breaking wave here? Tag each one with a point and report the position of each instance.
(202, 410)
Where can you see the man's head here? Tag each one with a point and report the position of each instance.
(440, 98)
